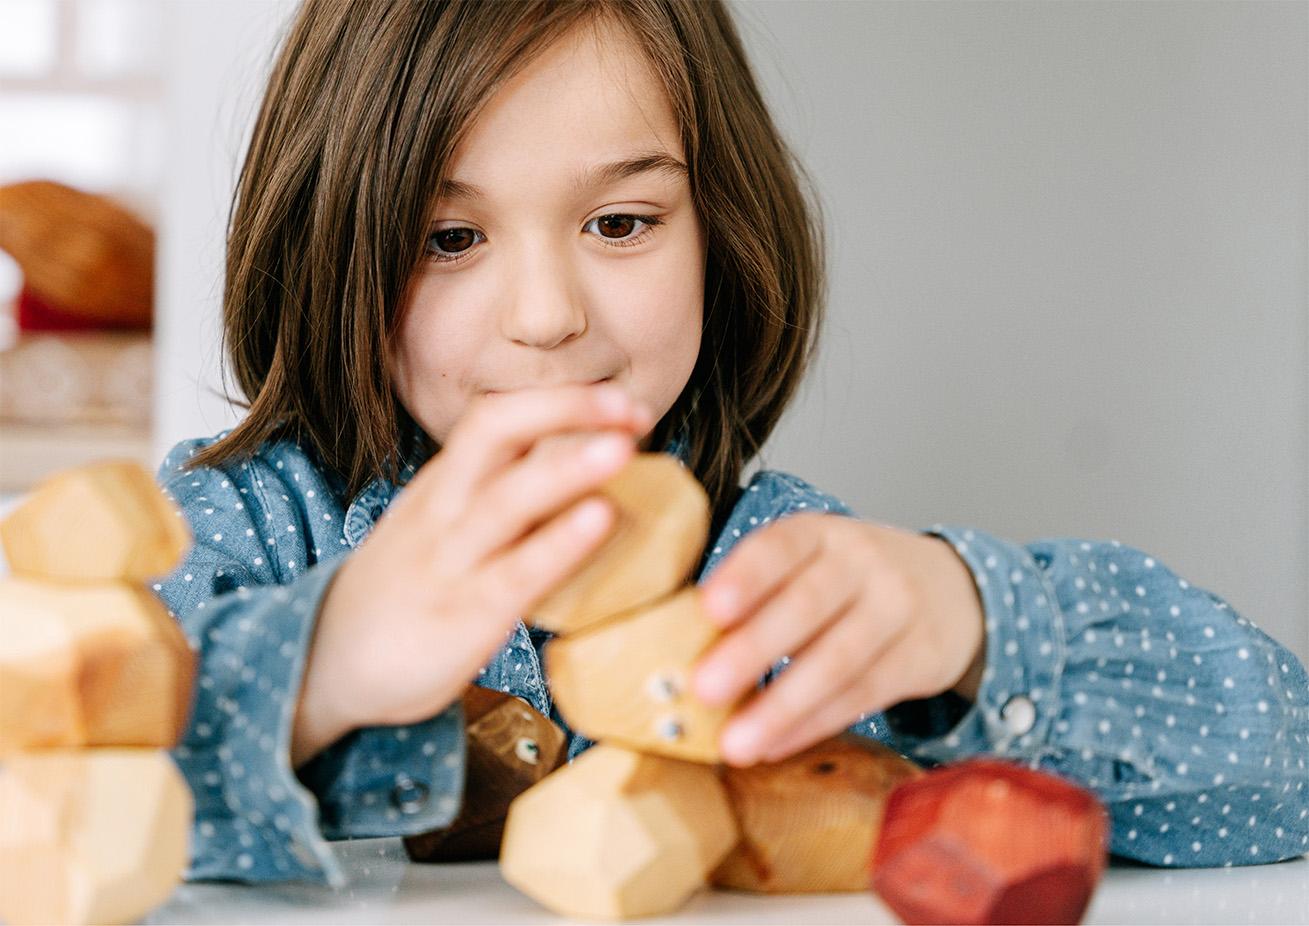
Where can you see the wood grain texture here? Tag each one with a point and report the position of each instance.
(90, 665)
(661, 525)
(100, 522)
(510, 747)
(617, 833)
(986, 841)
(627, 681)
(809, 823)
(90, 835)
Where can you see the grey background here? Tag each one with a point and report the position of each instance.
(1069, 251)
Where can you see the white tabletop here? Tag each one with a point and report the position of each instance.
(387, 888)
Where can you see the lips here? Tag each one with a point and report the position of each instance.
(590, 382)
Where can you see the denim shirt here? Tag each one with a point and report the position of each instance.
(1188, 722)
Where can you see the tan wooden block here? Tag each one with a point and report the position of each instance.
(90, 835)
(95, 523)
(659, 533)
(809, 823)
(617, 833)
(90, 665)
(510, 747)
(628, 681)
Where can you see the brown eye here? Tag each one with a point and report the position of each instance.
(453, 240)
(620, 225)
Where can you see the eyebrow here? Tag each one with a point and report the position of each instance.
(598, 176)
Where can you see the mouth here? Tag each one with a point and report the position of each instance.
(591, 382)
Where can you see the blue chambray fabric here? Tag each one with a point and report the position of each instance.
(1102, 665)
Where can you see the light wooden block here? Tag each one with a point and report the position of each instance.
(95, 523)
(90, 835)
(510, 747)
(617, 834)
(90, 665)
(628, 681)
(809, 823)
(659, 533)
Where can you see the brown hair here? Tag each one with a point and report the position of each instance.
(364, 109)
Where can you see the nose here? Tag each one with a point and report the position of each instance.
(543, 309)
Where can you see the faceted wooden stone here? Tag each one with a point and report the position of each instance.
(90, 835)
(617, 834)
(659, 533)
(90, 665)
(510, 747)
(985, 841)
(628, 681)
(95, 523)
(809, 822)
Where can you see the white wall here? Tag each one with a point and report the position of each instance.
(1069, 251)
(217, 59)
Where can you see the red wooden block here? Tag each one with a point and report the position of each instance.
(986, 841)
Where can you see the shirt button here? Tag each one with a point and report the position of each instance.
(1018, 714)
(409, 796)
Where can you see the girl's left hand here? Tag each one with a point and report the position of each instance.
(871, 616)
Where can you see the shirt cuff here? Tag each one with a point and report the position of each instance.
(1017, 699)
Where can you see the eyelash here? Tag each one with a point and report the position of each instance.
(649, 221)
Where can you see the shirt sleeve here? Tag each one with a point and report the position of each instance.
(1103, 666)
(250, 620)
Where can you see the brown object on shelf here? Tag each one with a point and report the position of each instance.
(90, 665)
(511, 746)
(617, 834)
(985, 841)
(660, 532)
(90, 836)
(82, 252)
(104, 521)
(628, 681)
(809, 822)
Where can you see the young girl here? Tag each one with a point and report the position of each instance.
(480, 254)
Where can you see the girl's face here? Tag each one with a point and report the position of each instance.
(545, 264)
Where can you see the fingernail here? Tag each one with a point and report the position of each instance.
(739, 744)
(604, 450)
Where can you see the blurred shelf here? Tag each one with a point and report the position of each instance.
(30, 452)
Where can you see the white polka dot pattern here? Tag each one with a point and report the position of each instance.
(1103, 666)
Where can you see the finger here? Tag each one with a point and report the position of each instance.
(802, 608)
(499, 429)
(521, 576)
(897, 675)
(849, 647)
(835, 716)
(536, 488)
(758, 565)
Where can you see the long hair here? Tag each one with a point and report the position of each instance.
(364, 108)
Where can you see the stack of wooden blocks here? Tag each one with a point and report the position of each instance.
(95, 683)
(647, 817)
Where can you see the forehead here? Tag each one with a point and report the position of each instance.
(589, 98)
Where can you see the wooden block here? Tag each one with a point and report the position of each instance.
(628, 681)
(90, 665)
(985, 841)
(809, 823)
(510, 747)
(617, 834)
(90, 835)
(658, 536)
(95, 523)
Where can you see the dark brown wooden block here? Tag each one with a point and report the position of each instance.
(511, 746)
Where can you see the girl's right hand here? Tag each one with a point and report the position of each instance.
(483, 531)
